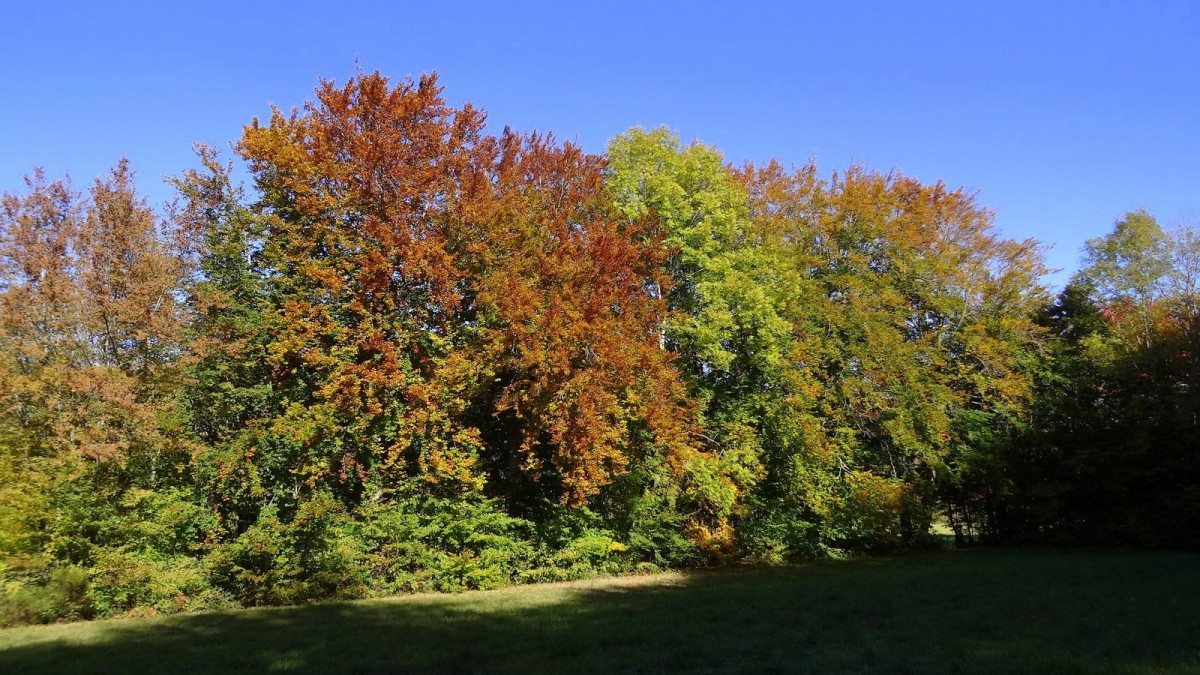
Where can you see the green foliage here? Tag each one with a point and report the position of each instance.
(426, 543)
(725, 324)
(125, 582)
(837, 333)
(1130, 263)
(1110, 459)
(651, 516)
(276, 561)
(34, 590)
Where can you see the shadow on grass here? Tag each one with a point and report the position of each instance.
(976, 611)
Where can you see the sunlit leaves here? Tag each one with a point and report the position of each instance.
(414, 327)
(415, 263)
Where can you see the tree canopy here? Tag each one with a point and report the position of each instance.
(417, 354)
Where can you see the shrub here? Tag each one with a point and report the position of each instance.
(33, 590)
(309, 557)
(441, 544)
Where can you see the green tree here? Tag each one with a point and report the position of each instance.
(1130, 263)
(724, 323)
(1109, 459)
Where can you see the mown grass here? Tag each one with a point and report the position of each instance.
(974, 611)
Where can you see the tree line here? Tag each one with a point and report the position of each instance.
(419, 355)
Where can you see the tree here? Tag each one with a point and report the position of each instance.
(441, 297)
(917, 335)
(92, 345)
(573, 324)
(724, 324)
(1110, 457)
(92, 317)
(1130, 263)
(852, 338)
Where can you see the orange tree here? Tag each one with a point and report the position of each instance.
(450, 308)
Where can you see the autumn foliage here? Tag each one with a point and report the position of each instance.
(419, 354)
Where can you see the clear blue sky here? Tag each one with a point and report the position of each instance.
(1063, 115)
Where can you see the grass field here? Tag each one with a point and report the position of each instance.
(949, 612)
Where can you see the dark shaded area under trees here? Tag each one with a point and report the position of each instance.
(977, 611)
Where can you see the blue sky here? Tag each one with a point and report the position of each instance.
(1061, 115)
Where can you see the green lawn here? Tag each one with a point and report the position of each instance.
(948, 612)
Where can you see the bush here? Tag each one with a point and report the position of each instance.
(274, 562)
(125, 582)
(33, 590)
(438, 544)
